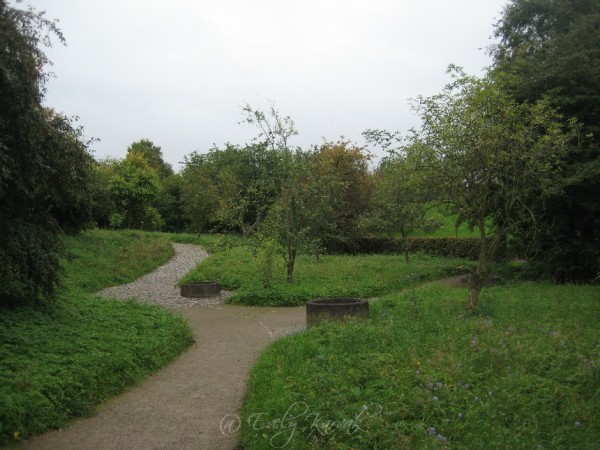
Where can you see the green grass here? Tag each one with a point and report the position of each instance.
(448, 226)
(103, 258)
(331, 276)
(59, 361)
(421, 374)
(213, 243)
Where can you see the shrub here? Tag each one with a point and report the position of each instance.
(448, 247)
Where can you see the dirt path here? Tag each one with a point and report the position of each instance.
(184, 405)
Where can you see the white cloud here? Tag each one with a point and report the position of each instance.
(178, 72)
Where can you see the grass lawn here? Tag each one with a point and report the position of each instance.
(448, 226)
(331, 276)
(421, 374)
(59, 361)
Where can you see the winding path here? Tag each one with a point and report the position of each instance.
(193, 402)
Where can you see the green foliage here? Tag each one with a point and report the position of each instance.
(450, 247)
(400, 198)
(467, 248)
(289, 220)
(60, 362)
(339, 186)
(45, 184)
(170, 204)
(549, 49)
(450, 226)
(153, 155)
(244, 182)
(97, 259)
(331, 276)
(486, 154)
(213, 243)
(266, 253)
(134, 186)
(30, 262)
(103, 203)
(525, 373)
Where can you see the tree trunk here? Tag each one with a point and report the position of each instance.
(405, 246)
(474, 290)
(482, 271)
(290, 264)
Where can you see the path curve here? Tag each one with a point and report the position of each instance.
(160, 287)
(184, 405)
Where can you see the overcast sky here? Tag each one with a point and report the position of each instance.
(179, 72)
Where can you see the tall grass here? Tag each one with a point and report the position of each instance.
(420, 374)
(330, 276)
(59, 361)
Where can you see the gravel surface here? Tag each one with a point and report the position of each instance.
(160, 287)
(193, 403)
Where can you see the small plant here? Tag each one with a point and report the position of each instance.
(266, 255)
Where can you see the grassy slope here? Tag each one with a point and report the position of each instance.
(525, 373)
(332, 276)
(448, 226)
(58, 362)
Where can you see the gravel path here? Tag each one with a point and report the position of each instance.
(193, 403)
(160, 287)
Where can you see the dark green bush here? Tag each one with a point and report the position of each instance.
(448, 247)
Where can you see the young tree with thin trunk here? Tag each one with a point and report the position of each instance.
(486, 153)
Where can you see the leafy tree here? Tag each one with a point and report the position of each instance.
(274, 129)
(342, 186)
(549, 49)
(103, 203)
(200, 192)
(170, 204)
(245, 179)
(289, 220)
(152, 154)
(248, 185)
(44, 163)
(487, 153)
(401, 198)
(134, 187)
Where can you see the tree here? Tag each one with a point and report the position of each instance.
(44, 163)
(549, 49)
(274, 129)
(401, 198)
(245, 179)
(342, 186)
(200, 193)
(170, 204)
(134, 187)
(486, 153)
(289, 219)
(248, 185)
(152, 154)
(287, 223)
(103, 203)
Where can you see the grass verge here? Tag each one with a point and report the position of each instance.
(331, 276)
(420, 374)
(59, 361)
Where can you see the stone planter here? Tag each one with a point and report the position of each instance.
(335, 309)
(201, 289)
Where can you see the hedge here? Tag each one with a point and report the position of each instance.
(448, 246)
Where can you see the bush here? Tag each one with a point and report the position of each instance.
(449, 247)
(30, 267)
